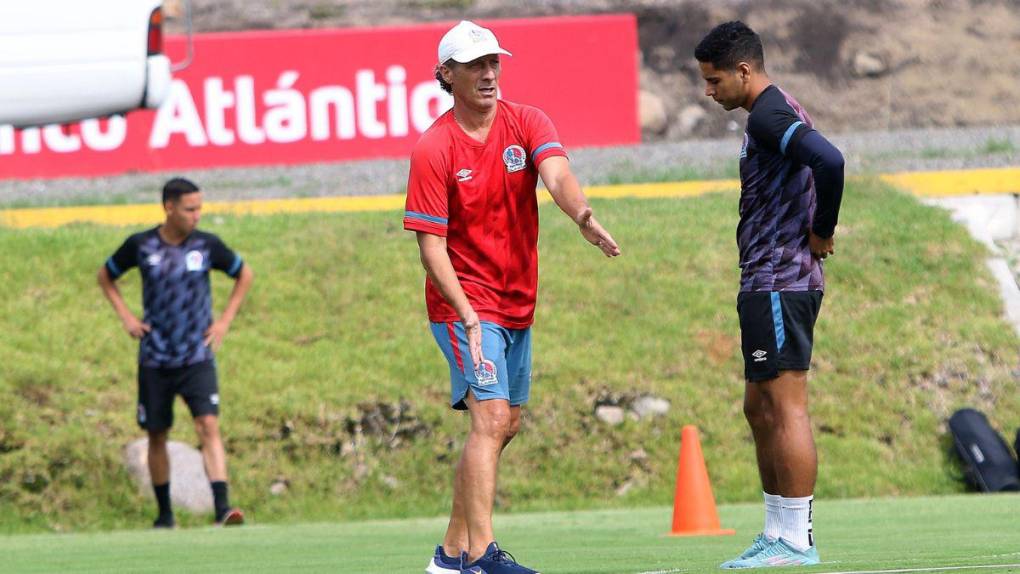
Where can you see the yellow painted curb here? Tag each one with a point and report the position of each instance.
(931, 184)
(957, 182)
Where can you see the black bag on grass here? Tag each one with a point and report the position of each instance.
(987, 461)
(1016, 449)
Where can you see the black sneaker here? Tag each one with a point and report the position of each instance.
(165, 521)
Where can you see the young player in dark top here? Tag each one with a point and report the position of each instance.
(791, 181)
(178, 335)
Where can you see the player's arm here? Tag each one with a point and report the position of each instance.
(215, 333)
(566, 192)
(230, 263)
(427, 214)
(782, 130)
(107, 283)
(436, 261)
(826, 163)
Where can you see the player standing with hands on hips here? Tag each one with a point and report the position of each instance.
(178, 335)
(791, 186)
(471, 200)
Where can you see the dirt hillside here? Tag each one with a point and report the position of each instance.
(856, 65)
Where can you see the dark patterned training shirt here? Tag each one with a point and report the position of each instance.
(777, 200)
(175, 292)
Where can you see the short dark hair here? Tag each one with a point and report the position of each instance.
(176, 187)
(439, 76)
(729, 44)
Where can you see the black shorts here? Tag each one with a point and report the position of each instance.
(158, 387)
(777, 331)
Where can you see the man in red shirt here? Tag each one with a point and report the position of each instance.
(471, 200)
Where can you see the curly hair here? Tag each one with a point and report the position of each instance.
(729, 44)
(439, 76)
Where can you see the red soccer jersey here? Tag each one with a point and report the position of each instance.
(481, 197)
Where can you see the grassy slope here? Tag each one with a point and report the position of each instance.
(909, 331)
(852, 535)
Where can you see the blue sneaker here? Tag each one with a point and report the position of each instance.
(494, 561)
(779, 553)
(760, 543)
(442, 564)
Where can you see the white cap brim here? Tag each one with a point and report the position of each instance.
(473, 54)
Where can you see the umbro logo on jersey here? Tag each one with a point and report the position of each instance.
(759, 356)
(154, 259)
(464, 175)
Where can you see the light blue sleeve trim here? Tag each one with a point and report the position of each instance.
(544, 147)
(425, 217)
(236, 266)
(789, 134)
(112, 267)
(777, 321)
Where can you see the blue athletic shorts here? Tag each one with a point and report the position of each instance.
(506, 372)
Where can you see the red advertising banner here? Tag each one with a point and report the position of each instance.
(304, 96)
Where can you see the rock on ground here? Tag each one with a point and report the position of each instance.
(189, 486)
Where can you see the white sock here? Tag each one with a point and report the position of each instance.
(773, 516)
(797, 522)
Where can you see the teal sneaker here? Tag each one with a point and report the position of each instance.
(760, 543)
(779, 553)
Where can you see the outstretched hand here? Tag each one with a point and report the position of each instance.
(596, 234)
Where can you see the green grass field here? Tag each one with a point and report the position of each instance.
(910, 329)
(971, 533)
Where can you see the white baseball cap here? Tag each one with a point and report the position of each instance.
(468, 41)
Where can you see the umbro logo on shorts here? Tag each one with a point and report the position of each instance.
(759, 356)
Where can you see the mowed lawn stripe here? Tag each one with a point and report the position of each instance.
(883, 536)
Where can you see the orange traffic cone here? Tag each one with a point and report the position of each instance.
(694, 511)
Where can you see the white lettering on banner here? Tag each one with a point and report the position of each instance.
(326, 112)
(247, 129)
(369, 95)
(116, 132)
(285, 120)
(6, 140)
(59, 141)
(217, 100)
(30, 141)
(177, 115)
(422, 98)
(340, 97)
(397, 111)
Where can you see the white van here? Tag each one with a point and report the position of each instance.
(67, 60)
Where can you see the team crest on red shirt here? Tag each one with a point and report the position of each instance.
(515, 158)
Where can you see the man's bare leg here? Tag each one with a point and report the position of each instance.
(794, 455)
(457, 539)
(791, 440)
(475, 480)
